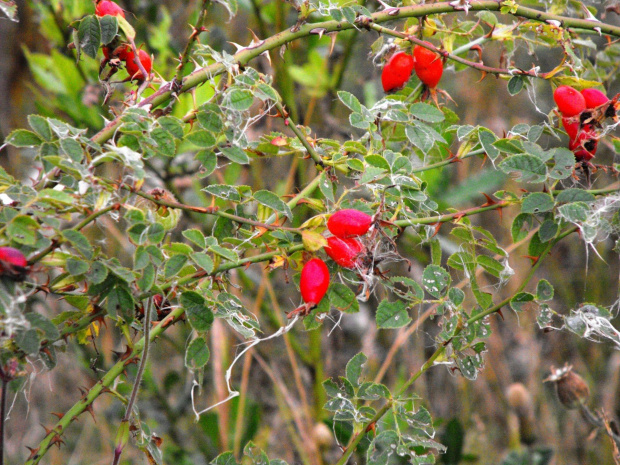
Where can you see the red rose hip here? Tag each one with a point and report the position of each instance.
(13, 263)
(428, 65)
(344, 251)
(107, 7)
(349, 223)
(569, 101)
(397, 71)
(133, 69)
(314, 281)
(594, 97)
(585, 144)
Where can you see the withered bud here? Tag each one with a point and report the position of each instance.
(164, 215)
(520, 401)
(572, 389)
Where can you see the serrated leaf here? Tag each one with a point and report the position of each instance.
(354, 369)
(271, 200)
(544, 290)
(538, 202)
(109, 28)
(515, 85)
(528, 168)
(80, 242)
(174, 264)
(519, 301)
(487, 138)
(426, 112)
(40, 125)
(201, 138)
(195, 236)
(197, 311)
(350, 101)
(23, 229)
(392, 315)
(342, 298)
(197, 354)
(435, 279)
(23, 138)
(235, 154)
(239, 99)
(89, 35)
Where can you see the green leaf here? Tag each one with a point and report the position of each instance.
(89, 35)
(79, 241)
(350, 101)
(28, 341)
(575, 195)
(23, 229)
(76, 267)
(239, 99)
(419, 137)
(224, 191)
(435, 279)
(521, 300)
(197, 354)
(73, 149)
(528, 168)
(564, 163)
(576, 212)
(174, 265)
(271, 200)
(343, 299)
(544, 290)
(354, 369)
(515, 85)
(23, 138)
(147, 278)
(201, 138)
(109, 28)
(391, 315)
(538, 202)
(121, 303)
(203, 260)
(235, 154)
(198, 314)
(195, 236)
(487, 138)
(548, 230)
(426, 112)
(40, 125)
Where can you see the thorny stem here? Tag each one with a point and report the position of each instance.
(197, 29)
(479, 66)
(58, 239)
(199, 76)
(442, 348)
(136, 387)
(302, 138)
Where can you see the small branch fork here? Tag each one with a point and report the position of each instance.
(289, 123)
(193, 38)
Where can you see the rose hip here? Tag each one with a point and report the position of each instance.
(314, 281)
(344, 251)
(585, 144)
(132, 68)
(13, 263)
(594, 97)
(349, 223)
(107, 7)
(428, 65)
(397, 71)
(569, 101)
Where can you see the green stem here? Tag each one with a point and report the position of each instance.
(191, 41)
(302, 138)
(202, 75)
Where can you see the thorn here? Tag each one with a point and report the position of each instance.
(59, 415)
(499, 312)
(454, 158)
(438, 226)
(48, 431)
(57, 440)
(371, 427)
(34, 452)
(89, 409)
(489, 202)
(532, 258)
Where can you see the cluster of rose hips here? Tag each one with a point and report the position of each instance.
(123, 52)
(427, 64)
(13, 264)
(577, 118)
(343, 247)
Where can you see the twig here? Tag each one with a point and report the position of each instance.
(118, 450)
(196, 30)
(289, 123)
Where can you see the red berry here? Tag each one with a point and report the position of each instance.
(397, 71)
(571, 128)
(569, 101)
(349, 223)
(13, 263)
(344, 251)
(428, 65)
(132, 67)
(107, 7)
(594, 97)
(585, 144)
(314, 281)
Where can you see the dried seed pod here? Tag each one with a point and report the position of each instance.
(572, 390)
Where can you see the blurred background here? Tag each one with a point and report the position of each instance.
(280, 408)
